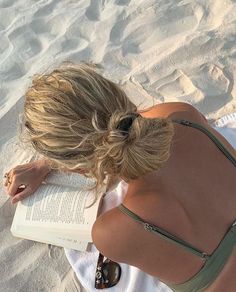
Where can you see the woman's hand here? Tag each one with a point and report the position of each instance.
(23, 180)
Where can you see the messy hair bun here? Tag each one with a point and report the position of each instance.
(82, 121)
(133, 146)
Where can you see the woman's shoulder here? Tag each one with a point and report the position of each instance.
(117, 236)
(181, 110)
(111, 235)
(175, 110)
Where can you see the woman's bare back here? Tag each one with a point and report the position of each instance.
(192, 197)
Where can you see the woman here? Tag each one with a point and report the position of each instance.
(178, 179)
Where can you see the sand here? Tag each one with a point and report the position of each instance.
(158, 51)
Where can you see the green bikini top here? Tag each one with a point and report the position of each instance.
(215, 262)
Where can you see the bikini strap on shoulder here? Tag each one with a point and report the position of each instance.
(210, 135)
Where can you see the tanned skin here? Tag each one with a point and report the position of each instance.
(192, 197)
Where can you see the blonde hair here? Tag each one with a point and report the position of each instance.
(73, 116)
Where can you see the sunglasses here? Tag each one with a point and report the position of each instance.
(107, 273)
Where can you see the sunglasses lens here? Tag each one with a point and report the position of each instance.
(108, 276)
(107, 273)
(111, 272)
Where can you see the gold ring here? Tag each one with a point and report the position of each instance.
(6, 175)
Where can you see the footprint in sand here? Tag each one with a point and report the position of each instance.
(38, 25)
(26, 47)
(51, 29)
(211, 80)
(80, 30)
(54, 252)
(215, 14)
(215, 85)
(137, 93)
(93, 12)
(99, 10)
(30, 49)
(72, 44)
(176, 86)
(11, 70)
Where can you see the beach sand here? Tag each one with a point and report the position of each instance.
(158, 51)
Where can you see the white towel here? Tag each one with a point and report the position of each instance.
(132, 279)
(226, 126)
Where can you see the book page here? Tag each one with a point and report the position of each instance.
(57, 208)
(69, 179)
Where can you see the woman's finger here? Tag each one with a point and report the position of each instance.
(12, 187)
(21, 195)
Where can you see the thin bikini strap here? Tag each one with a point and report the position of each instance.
(166, 235)
(211, 136)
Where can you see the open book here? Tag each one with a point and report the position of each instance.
(58, 212)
